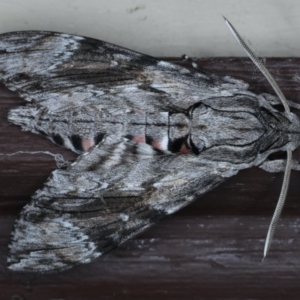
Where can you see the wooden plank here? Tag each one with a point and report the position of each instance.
(211, 249)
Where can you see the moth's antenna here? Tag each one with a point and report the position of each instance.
(259, 65)
(280, 203)
(287, 171)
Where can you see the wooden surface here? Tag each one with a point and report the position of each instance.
(212, 249)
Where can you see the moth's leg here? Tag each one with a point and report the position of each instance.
(274, 100)
(278, 165)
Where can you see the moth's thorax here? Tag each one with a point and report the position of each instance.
(212, 127)
(246, 130)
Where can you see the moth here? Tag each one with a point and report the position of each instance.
(151, 137)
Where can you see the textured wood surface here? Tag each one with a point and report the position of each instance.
(212, 249)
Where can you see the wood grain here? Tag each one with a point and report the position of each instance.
(212, 249)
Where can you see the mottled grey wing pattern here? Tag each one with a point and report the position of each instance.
(60, 71)
(120, 186)
(68, 79)
(115, 191)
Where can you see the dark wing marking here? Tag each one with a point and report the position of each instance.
(115, 191)
(61, 71)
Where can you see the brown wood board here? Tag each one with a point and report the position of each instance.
(212, 249)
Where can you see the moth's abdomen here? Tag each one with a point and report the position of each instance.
(81, 128)
(163, 131)
(77, 129)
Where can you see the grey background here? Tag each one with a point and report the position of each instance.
(166, 27)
